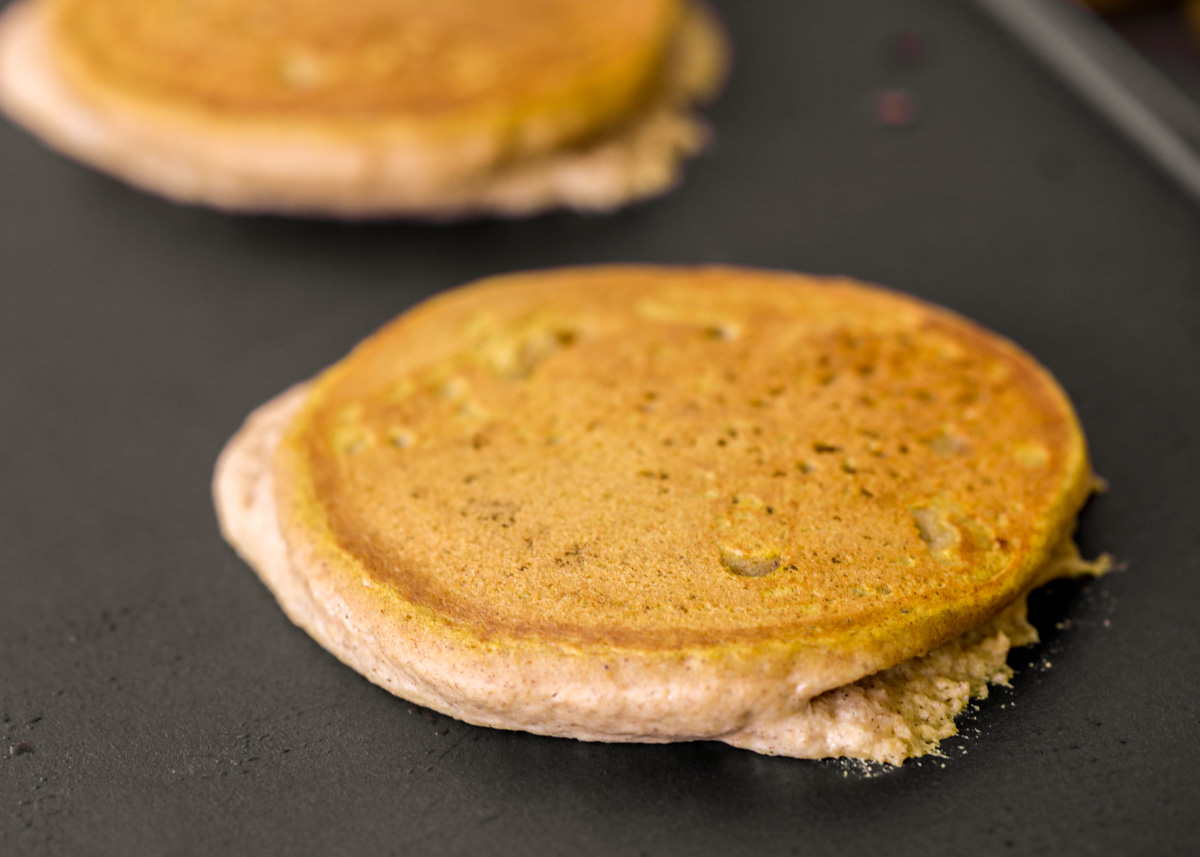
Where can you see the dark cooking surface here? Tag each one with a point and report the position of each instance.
(158, 702)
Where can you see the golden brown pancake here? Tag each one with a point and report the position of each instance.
(367, 107)
(653, 504)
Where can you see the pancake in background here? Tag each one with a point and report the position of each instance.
(368, 107)
(660, 504)
(1192, 11)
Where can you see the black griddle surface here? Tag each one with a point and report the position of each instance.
(168, 707)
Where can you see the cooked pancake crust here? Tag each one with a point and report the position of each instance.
(656, 504)
(612, 130)
(502, 69)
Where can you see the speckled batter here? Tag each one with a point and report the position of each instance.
(800, 516)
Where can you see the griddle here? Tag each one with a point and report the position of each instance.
(154, 700)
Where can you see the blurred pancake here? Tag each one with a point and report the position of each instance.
(368, 107)
(653, 504)
(1192, 12)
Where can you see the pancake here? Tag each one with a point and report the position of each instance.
(656, 504)
(1191, 12)
(368, 108)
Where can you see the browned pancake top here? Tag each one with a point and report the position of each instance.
(538, 68)
(666, 458)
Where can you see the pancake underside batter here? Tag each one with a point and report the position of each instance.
(894, 714)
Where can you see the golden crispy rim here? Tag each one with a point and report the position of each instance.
(1033, 456)
(279, 170)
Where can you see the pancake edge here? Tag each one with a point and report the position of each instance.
(886, 716)
(326, 178)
